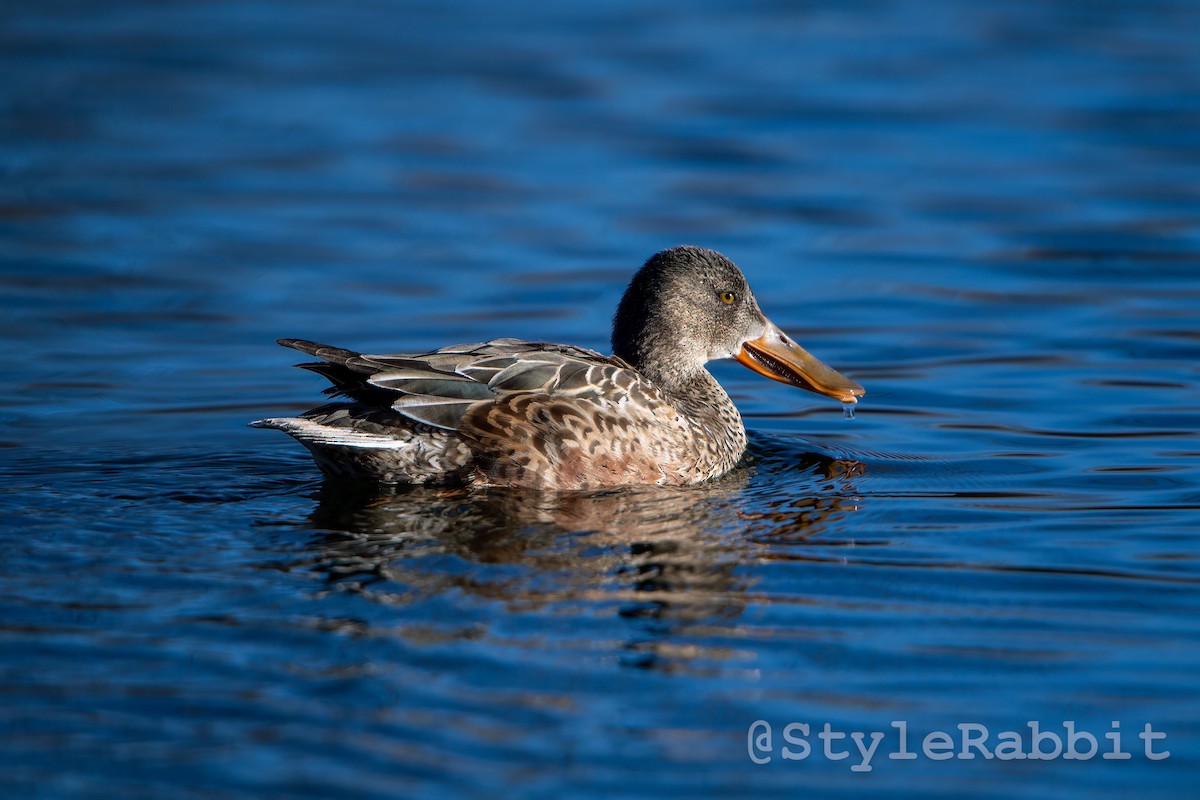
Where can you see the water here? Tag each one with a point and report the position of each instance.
(986, 213)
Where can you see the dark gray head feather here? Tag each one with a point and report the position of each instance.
(672, 319)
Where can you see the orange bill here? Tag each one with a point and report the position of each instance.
(775, 355)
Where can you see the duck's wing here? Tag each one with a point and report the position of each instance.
(437, 388)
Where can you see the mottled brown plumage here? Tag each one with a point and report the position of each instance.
(533, 414)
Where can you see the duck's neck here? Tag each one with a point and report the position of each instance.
(713, 422)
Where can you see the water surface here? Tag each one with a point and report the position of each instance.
(986, 213)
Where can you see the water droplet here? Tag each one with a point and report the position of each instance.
(848, 410)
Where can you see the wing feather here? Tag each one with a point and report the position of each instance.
(440, 412)
(438, 388)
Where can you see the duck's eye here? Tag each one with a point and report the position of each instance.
(728, 297)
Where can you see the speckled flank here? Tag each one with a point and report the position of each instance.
(639, 436)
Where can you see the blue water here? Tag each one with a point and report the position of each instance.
(987, 213)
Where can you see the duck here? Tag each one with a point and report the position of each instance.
(539, 415)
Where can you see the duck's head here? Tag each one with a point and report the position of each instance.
(687, 306)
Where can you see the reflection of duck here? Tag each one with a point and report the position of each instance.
(667, 554)
(537, 415)
(669, 563)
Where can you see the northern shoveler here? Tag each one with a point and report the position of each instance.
(553, 416)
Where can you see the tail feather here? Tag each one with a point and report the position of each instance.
(338, 355)
(351, 442)
(345, 369)
(314, 432)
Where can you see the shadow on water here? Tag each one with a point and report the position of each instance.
(666, 557)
